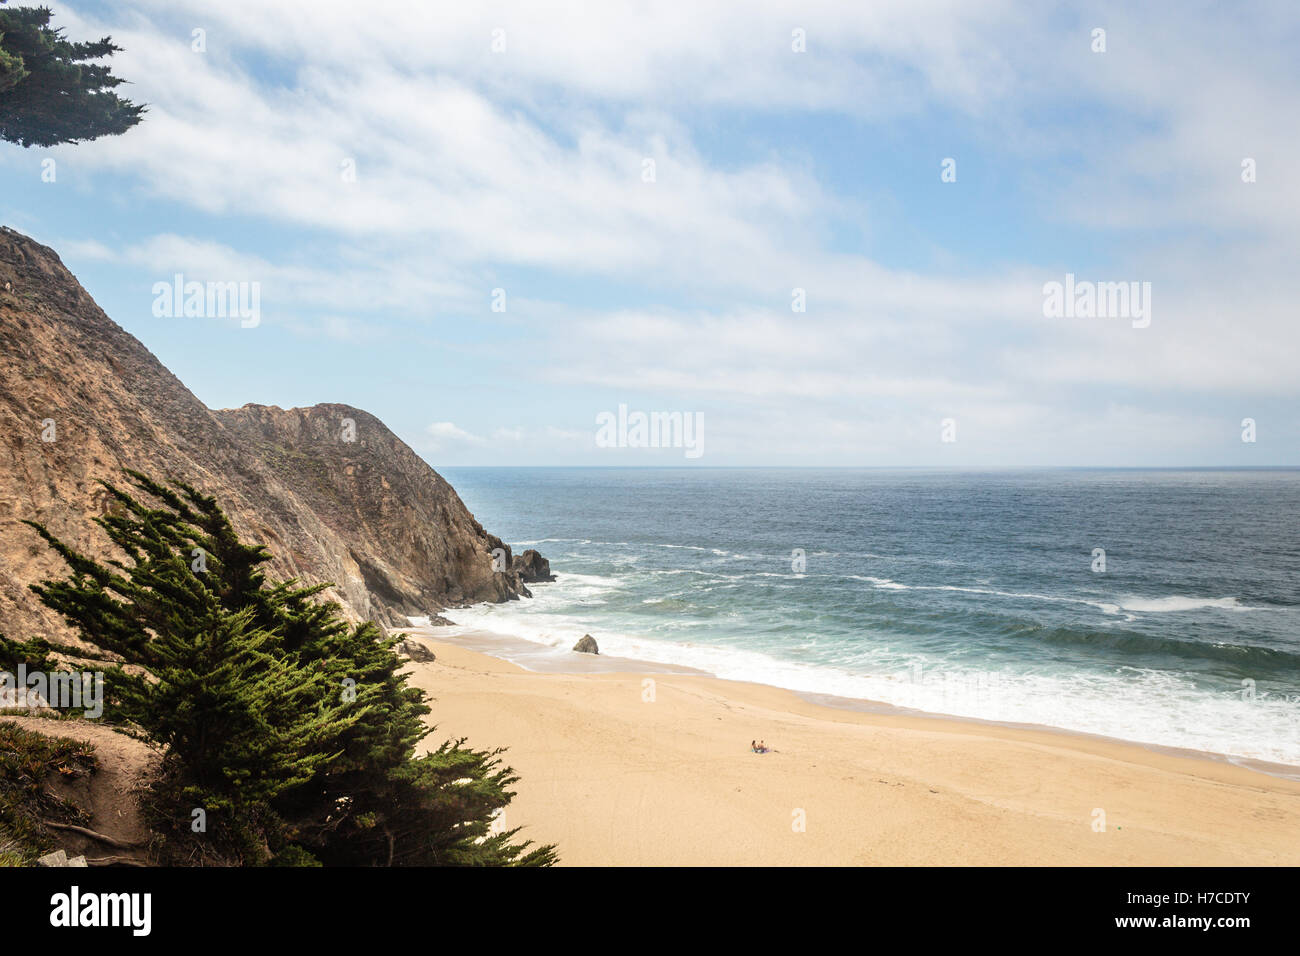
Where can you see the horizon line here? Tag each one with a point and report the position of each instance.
(915, 467)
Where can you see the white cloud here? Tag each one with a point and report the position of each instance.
(444, 435)
(470, 164)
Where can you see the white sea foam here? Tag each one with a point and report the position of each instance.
(1157, 605)
(533, 544)
(883, 583)
(1176, 603)
(589, 584)
(1145, 706)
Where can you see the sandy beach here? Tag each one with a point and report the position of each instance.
(655, 769)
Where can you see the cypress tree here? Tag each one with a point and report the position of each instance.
(50, 90)
(296, 729)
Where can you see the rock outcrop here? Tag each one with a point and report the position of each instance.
(61, 858)
(532, 567)
(333, 494)
(587, 645)
(412, 541)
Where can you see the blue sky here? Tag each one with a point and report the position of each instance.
(522, 169)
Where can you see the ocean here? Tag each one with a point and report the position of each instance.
(1161, 606)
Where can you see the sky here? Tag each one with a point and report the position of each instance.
(493, 224)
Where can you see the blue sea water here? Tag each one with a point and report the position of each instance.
(971, 594)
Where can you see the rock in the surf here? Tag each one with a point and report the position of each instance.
(531, 566)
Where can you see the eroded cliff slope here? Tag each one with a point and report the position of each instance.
(81, 399)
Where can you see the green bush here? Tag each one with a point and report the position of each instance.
(283, 723)
(26, 760)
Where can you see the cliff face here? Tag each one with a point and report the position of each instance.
(81, 399)
(414, 544)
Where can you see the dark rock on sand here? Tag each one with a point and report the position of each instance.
(416, 651)
(587, 645)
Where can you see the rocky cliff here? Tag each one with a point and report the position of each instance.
(332, 493)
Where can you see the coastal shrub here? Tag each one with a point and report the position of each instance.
(290, 734)
(26, 761)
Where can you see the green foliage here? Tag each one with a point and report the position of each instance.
(290, 727)
(33, 654)
(294, 855)
(26, 760)
(50, 90)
